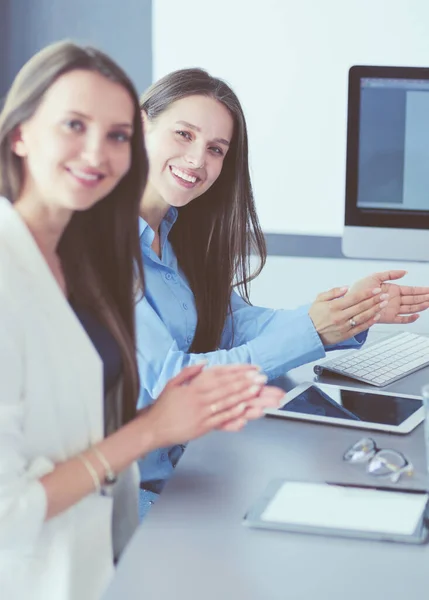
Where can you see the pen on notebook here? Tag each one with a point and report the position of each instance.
(377, 488)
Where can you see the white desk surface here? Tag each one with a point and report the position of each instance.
(193, 546)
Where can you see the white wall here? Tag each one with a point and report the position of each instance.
(288, 61)
(288, 282)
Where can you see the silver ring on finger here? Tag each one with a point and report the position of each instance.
(214, 408)
(352, 323)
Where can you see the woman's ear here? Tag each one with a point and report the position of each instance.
(17, 143)
(145, 120)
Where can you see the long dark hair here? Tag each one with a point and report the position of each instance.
(99, 250)
(216, 233)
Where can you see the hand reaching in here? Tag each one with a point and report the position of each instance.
(338, 316)
(404, 301)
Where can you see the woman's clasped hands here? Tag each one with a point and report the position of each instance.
(199, 400)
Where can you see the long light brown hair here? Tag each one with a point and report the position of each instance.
(216, 233)
(99, 250)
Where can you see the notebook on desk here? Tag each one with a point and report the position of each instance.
(344, 510)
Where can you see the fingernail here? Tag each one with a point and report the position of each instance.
(256, 377)
(384, 297)
(344, 288)
(254, 389)
(376, 290)
(377, 317)
(383, 304)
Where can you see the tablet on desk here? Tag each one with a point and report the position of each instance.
(352, 407)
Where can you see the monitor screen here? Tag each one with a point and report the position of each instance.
(387, 173)
(393, 158)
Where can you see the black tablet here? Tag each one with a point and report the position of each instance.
(352, 407)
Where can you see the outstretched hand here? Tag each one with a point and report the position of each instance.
(404, 301)
(338, 316)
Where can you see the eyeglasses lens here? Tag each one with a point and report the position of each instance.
(386, 462)
(362, 451)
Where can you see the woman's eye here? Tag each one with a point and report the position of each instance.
(120, 136)
(75, 125)
(216, 150)
(184, 134)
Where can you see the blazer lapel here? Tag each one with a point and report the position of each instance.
(76, 348)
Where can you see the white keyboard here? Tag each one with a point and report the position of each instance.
(381, 363)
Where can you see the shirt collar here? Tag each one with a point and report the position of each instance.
(147, 234)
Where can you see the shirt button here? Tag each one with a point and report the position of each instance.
(185, 306)
(168, 276)
(164, 456)
(189, 339)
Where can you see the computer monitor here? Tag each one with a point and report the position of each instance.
(387, 171)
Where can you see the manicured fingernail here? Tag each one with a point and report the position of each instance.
(383, 304)
(256, 377)
(384, 297)
(377, 317)
(376, 290)
(344, 288)
(254, 389)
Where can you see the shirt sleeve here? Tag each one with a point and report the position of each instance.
(23, 501)
(276, 340)
(247, 322)
(355, 342)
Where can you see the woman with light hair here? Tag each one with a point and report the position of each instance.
(72, 171)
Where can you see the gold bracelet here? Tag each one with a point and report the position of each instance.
(92, 472)
(110, 476)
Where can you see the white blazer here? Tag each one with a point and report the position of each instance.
(51, 408)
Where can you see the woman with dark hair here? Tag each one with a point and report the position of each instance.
(198, 228)
(72, 172)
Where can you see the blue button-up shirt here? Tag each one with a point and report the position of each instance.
(166, 319)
